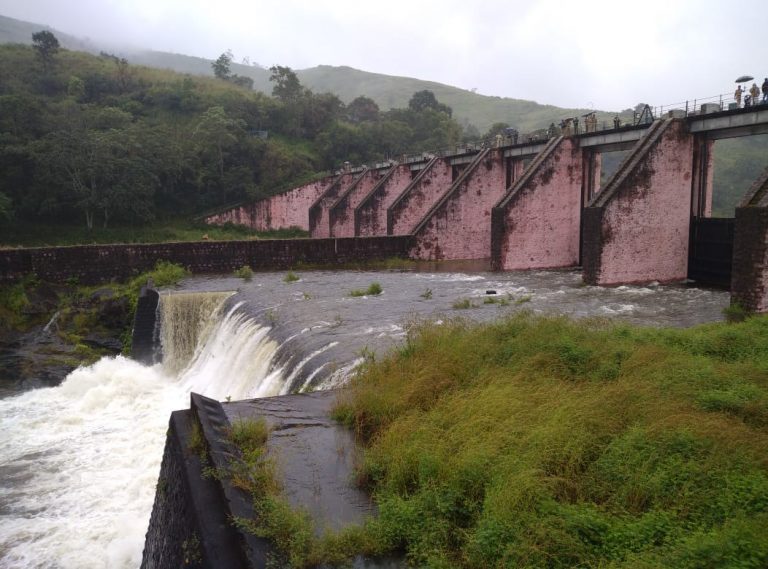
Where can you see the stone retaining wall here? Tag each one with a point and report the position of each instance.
(100, 263)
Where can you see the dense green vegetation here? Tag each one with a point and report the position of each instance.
(543, 442)
(96, 141)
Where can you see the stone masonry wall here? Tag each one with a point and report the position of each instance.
(290, 209)
(749, 280)
(371, 216)
(539, 225)
(342, 216)
(460, 228)
(99, 263)
(408, 212)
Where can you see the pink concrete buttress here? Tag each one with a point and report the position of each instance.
(459, 225)
(319, 223)
(427, 187)
(537, 224)
(342, 213)
(637, 228)
(371, 213)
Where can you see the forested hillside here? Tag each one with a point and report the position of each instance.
(95, 140)
(473, 111)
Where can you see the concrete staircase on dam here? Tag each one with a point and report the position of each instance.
(537, 223)
(637, 228)
(457, 226)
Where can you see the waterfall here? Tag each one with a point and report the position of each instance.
(79, 462)
(186, 319)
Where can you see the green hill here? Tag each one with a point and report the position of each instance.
(345, 82)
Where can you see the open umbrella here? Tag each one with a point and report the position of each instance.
(744, 79)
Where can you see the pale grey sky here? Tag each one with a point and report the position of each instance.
(606, 54)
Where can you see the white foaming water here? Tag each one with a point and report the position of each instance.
(79, 462)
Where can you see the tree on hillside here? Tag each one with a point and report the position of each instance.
(363, 109)
(221, 67)
(496, 128)
(216, 132)
(46, 46)
(423, 100)
(287, 86)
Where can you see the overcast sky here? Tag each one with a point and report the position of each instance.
(605, 54)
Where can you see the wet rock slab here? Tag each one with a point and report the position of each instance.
(314, 454)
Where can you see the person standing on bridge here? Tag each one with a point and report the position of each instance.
(754, 90)
(765, 90)
(737, 95)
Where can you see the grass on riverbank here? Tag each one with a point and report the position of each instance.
(40, 235)
(543, 442)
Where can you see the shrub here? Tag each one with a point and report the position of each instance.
(291, 277)
(372, 290)
(245, 272)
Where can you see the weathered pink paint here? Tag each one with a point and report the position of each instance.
(319, 222)
(459, 225)
(371, 213)
(342, 212)
(538, 224)
(411, 207)
(289, 209)
(639, 224)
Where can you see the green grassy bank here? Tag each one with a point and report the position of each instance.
(543, 442)
(44, 235)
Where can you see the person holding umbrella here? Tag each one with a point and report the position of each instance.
(739, 90)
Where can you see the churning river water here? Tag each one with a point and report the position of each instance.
(79, 462)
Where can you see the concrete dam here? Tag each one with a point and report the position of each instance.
(540, 204)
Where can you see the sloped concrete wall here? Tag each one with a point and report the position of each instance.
(639, 231)
(371, 215)
(342, 215)
(538, 225)
(410, 210)
(459, 227)
(290, 209)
